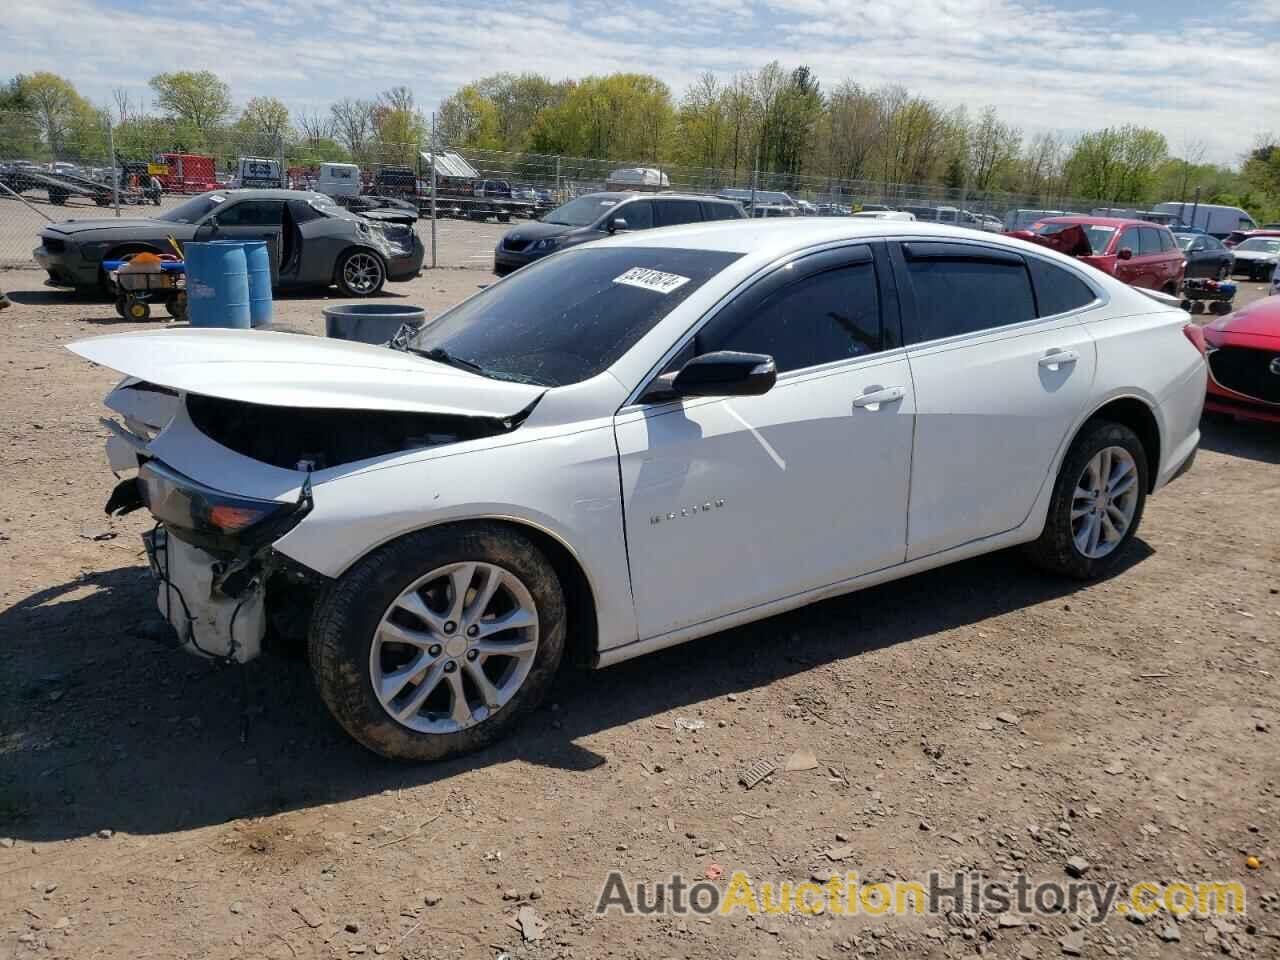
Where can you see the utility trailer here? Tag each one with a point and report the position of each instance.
(59, 187)
(462, 192)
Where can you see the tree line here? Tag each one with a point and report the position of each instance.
(773, 119)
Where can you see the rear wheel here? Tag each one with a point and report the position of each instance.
(438, 643)
(1097, 503)
(1224, 272)
(360, 273)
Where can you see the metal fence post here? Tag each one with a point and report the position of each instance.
(434, 150)
(557, 179)
(115, 166)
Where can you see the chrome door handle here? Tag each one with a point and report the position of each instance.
(1056, 358)
(872, 399)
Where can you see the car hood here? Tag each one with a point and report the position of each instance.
(291, 370)
(1259, 319)
(530, 232)
(100, 224)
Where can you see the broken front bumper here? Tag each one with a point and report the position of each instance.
(215, 613)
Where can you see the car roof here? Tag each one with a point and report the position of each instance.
(782, 235)
(269, 194)
(621, 195)
(1103, 221)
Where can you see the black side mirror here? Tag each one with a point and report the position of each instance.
(726, 373)
(616, 224)
(1124, 253)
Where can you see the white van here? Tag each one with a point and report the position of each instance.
(339, 180)
(1212, 218)
(257, 172)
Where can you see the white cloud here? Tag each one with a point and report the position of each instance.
(1043, 67)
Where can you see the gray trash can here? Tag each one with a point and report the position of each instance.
(370, 322)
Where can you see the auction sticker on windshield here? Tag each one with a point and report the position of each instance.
(654, 280)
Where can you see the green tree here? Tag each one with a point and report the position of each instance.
(59, 111)
(469, 119)
(1117, 164)
(195, 98)
(993, 148)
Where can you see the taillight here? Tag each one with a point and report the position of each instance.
(1196, 335)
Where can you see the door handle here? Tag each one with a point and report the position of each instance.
(1057, 358)
(872, 399)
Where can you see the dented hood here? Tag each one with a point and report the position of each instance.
(291, 370)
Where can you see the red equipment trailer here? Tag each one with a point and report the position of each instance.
(188, 173)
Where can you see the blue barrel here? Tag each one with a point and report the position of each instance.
(217, 285)
(258, 262)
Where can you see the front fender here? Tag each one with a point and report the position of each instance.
(571, 494)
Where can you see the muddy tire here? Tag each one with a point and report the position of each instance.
(1104, 457)
(416, 669)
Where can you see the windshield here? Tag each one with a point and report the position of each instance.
(193, 210)
(580, 212)
(1185, 240)
(1260, 245)
(1099, 237)
(570, 317)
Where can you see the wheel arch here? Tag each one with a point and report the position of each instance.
(582, 630)
(116, 250)
(1139, 416)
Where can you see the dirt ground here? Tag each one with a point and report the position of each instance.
(978, 717)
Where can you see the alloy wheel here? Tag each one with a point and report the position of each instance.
(1104, 502)
(362, 273)
(454, 647)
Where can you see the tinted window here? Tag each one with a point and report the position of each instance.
(569, 317)
(1148, 241)
(955, 296)
(1129, 238)
(301, 211)
(1057, 290)
(719, 211)
(582, 211)
(252, 213)
(1166, 240)
(672, 212)
(638, 214)
(821, 318)
(1212, 243)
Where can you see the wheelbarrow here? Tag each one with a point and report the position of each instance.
(137, 290)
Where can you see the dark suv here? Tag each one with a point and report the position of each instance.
(598, 215)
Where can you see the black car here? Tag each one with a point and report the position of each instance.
(1206, 256)
(598, 215)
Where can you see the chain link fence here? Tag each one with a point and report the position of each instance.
(142, 165)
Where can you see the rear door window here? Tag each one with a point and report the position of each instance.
(962, 288)
(1057, 290)
(673, 212)
(719, 211)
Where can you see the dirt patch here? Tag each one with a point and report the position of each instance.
(978, 717)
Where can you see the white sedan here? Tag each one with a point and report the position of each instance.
(637, 442)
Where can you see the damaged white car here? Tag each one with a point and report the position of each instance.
(637, 442)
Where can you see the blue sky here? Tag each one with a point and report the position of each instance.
(1195, 71)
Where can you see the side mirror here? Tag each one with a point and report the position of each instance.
(616, 224)
(1124, 253)
(726, 373)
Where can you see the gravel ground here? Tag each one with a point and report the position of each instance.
(977, 717)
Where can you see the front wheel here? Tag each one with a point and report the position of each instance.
(436, 644)
(1097, 503)
(360, 273)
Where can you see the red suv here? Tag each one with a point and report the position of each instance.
(1141, 254)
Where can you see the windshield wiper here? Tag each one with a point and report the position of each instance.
(441, 355)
